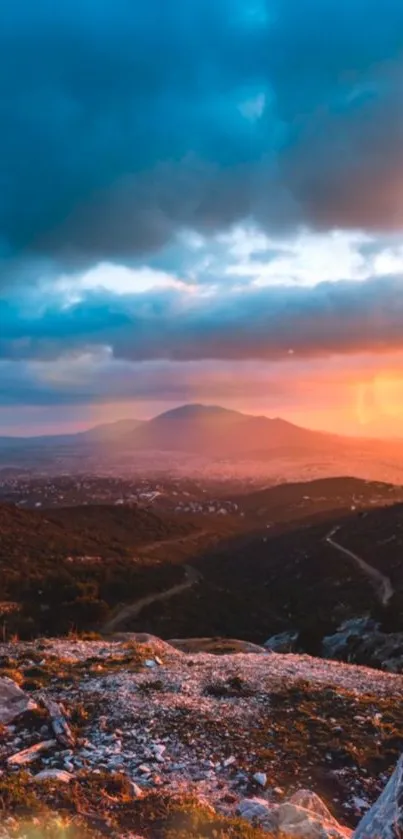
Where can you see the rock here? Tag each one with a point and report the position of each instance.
(360, 641)
(31, 754)
(348, 633)
(216, 646)
(134, 789)
(149, 662)
(13, 701)
(385, 819)
(312, 821)
(54, 775)
(284, 642)
(300, 823)
(310, 801)
(258, 811)
(260, 778)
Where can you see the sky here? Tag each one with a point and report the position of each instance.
(201, 201)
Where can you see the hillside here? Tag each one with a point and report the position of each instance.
(263, 569)
(290, 578)
(291, 501)
(68, 567)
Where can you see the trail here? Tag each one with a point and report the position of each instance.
(131, 610)
(382, 585)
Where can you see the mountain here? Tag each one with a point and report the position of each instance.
(193, 439)
(104, 431)
(217, 432)
(108, 431)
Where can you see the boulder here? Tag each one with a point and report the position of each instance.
(304, 816)
(360, 641)
(310, 801)
(216, 646)
(54, 775)
(13, 701)
(299, 823)
(284, 642)
(385, 819)
(347, 636)
(259, 812)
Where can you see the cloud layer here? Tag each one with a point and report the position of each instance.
(124, 123)
(188, 186)
(256, 323)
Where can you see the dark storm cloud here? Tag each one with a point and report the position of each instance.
(121, 121)
(254, 323)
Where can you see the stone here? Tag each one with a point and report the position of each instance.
(260, 778)
(54, 775)
(134, 789)
(385, 818)
(13, 701)
(299, 823)
(360, 641)
(284, 642)
(31, 754)
(257, 811)
(310, 801)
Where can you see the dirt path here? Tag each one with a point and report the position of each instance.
(132, 610)
(382, 585)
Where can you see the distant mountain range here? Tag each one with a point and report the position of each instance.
(203, 431)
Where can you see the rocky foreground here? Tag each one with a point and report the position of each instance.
(134, 736)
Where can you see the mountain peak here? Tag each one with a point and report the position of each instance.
(194, 410)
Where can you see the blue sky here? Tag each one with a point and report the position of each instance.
(201, 201)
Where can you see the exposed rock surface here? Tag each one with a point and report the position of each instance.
(385, 819)
(214, 726)
(304, 816)
(54, 775)
(360, 641)
(216, 646)
(284, 642)
(13, 701)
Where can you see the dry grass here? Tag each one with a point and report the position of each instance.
(103, 805)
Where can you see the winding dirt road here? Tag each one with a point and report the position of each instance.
(382, 585)
(132, 610)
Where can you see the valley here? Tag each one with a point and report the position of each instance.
(193, 648)
(232, 562)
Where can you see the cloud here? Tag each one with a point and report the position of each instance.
(123, 124)
(247, 322)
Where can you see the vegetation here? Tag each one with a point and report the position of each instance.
(67, 570)
(103, 805)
